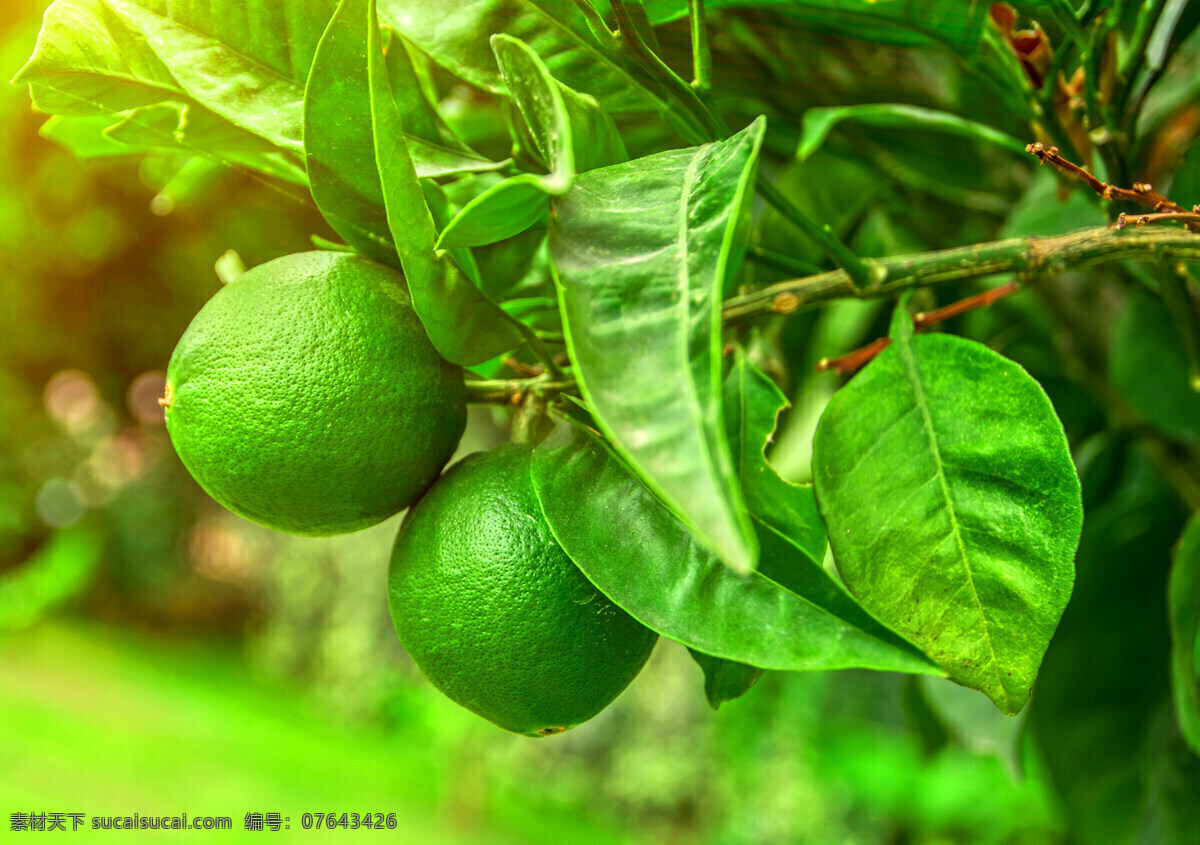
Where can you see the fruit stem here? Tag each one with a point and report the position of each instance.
(514, 391)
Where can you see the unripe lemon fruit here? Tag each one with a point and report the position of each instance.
(306, 396)
(495, 614)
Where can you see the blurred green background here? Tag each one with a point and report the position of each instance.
(160, 655)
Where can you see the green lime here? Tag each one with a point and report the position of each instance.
(306, 396)
(494, 612)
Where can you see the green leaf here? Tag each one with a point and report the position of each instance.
(819, 122)
(464, 325)
(1184, 599)
(752, 404)
(238, 62)
(90, 60)
(572, 133)
(642, 252)
(502, 211)
(339, 136)
(952, 506)
(957, 23)
(542, 105)
(171, 124)
(643, 558)
(415, 96)
(724, 680)
(456, 37)
(229, 56)
(1149, 367)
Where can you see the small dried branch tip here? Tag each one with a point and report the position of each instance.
(1141, 193)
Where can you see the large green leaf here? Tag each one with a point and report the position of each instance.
(643, 558)
(1184, 599)
(464, 325)
(957, 23)
(90, 60)
(587, 58)
(339, 137)
(339, 141)
(642, 252)
(245, 62)
(952, 506)
(785, 515)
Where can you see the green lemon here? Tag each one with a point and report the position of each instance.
(494, 612)
(306, 396)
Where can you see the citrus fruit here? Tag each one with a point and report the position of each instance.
(495, 614)
(306, 396)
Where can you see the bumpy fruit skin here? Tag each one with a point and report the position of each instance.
(494, 612)
(306, 396)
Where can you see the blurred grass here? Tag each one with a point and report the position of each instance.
(108, 721)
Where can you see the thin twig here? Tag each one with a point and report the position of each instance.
(1190, 218)
(1141, 192)
(1031, 256)
(514, 391)
(859, 358)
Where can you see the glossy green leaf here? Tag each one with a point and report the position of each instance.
(338, 141)
(415, 95)
(724, 680)
(587, 58)
(642, 251)
(339, 137)
(819, 122)
(466, 327)
(1149, 368)
(189, 127)
(570, 130)
(643, 558)
(952, 506)
(89, 60)
(229, 56)
(957, 23)
(165, 128)
(1184, 600)
(752, 406)
(543, 106)
(245, 63)
(502, 211)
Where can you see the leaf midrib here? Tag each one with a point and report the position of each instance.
(904, 347)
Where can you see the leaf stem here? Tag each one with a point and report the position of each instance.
(861, 274)
(713, 126)
(779, 261)
(513, 391)
(701, 54)
(1030, 255)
